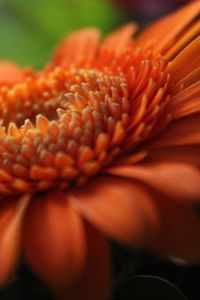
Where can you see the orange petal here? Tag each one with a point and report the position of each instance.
(186, 102)
(119, 208)
(118, 39)
(10, 73)
(187, 81)
(186, 38)
(78, 46)
(163, 33)
(185, 131)
(187, 61)
(185, 154)
(54, 242)
(179, 181)
(95, 280)
(180, 231)
(11, 220)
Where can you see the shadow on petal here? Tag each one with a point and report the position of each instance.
(120, 208)
(53, 241)
(11, 221)
(95, 280)
(180, 231)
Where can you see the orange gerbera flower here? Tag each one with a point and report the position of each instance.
(105, 142)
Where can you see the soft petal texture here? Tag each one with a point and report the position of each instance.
(119, 208)
(54, 243)
(95, 281)
(80, 45)
(10, 73)
(186, 102)
(180, 231)
(120, 38)
(11, 221)
(189, 54)
(187, 81)
(185, 39)
(178, 181)
(159, 34)
(185, 131)
(184, 154)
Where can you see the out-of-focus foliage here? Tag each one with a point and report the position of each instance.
(29, 29)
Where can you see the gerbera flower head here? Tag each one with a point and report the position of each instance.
(104, 142)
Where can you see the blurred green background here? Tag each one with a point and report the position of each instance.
(30, 29)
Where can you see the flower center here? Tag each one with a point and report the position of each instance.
(64, 126)
(60, 128)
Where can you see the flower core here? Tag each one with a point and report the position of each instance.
(65, 125)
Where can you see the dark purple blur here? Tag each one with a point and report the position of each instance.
(146, 10)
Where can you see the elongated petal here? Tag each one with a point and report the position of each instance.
(186, 38)
(95, 280)
(187, 81)
(119, 208)
(185, 131)
(54, 243)
(184, 154)
(180, 231)
(179, 181)
(159, 34)
(186, 102)
(11, 221)
(188, 59)
(79, 45)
